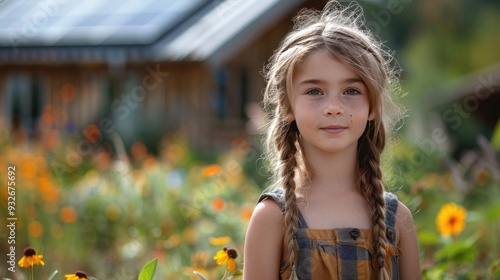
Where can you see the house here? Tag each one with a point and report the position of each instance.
(139, 69)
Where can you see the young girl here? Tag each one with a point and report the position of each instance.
(328, 103)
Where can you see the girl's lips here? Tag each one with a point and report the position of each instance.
(334, 129)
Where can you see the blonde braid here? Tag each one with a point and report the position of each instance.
(286, 146)
(370, 147)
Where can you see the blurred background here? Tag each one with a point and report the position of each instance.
(133, 127)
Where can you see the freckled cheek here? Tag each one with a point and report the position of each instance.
(358, 116)
(358, 110)
(305, 109)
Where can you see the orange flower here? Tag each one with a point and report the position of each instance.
(174, 152)
(211, 170)
(35, 229)
(218, 204)
(139, 151)
(68, 215)
(30, 258)
(92, 133)
(173, 241)
(246, 213)
(451, 219)
(227, 256)
(47, 117)
(150, 162)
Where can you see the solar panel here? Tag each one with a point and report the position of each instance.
(89, 22)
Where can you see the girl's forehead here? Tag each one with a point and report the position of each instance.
(323, 64)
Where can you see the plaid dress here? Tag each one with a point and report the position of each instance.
(344, 253)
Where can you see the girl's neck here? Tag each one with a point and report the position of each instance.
(333, 171)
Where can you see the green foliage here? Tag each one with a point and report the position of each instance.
(460, 251)
(435, 179)
(121, 211)
(495, 140)
(148, 270)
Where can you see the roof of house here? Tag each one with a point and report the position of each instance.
(116, 31)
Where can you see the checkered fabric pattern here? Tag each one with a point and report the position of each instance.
(344, 253)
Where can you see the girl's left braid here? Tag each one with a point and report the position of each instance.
(370, 147)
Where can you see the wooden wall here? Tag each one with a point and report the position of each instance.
(138, 105)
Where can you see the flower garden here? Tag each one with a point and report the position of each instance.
(106, 214)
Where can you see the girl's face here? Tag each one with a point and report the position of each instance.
(329, 103)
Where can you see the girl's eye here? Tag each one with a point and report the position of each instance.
(352, 91)
(314, 92)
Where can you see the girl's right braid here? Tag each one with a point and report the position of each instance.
(287, 148)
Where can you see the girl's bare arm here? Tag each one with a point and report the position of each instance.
(263, 243)
(409, 263)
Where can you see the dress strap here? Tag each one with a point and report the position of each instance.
(391, 206)
(302, 221)
(277, 195)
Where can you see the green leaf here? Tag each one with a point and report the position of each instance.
(461, 251)
(201, 276)
(435, 273)
(493, 213)
(428, 237)
(52, 275)
(148, 270)
(495, 139)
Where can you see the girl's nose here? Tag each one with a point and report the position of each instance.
(333, 107)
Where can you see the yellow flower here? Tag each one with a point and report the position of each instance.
(77, 275)
(227, 256)
(219, 241)
(30, 258)
(173, 241)
(451, 219)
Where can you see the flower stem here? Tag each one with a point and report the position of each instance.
(31, 268)
(225, 274)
